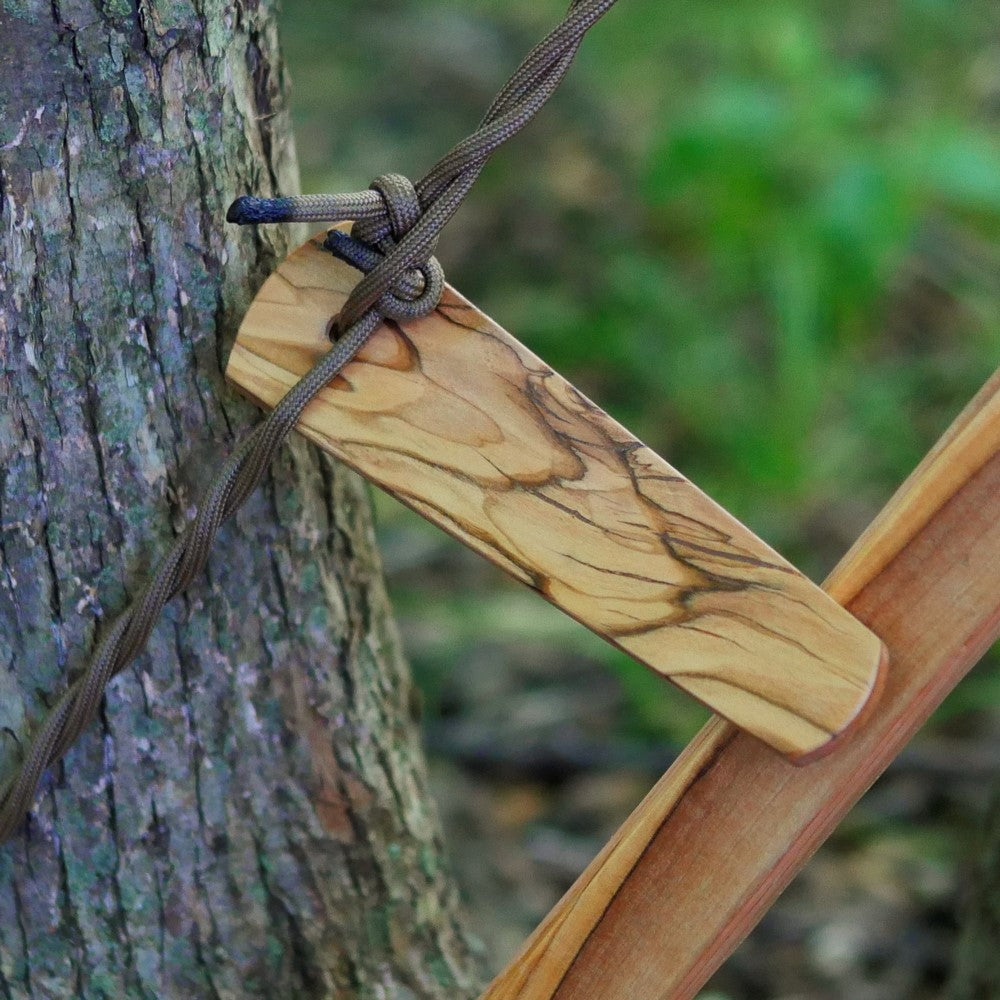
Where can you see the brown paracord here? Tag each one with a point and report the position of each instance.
(397, 225)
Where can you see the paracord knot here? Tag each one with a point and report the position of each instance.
(402, 212)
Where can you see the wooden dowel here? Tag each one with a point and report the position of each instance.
(723, 832)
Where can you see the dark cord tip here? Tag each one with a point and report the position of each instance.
(237, 210)
(248, 210)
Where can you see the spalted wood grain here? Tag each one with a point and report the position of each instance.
(467, 426)
(723, 832)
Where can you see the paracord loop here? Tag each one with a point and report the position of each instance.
(417, 291)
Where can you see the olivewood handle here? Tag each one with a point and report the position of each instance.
(465, 425)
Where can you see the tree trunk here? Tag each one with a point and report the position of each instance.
(249, 817)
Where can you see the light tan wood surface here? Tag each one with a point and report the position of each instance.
(468, 427)
(724, 831)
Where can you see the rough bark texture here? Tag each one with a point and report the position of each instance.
(977, 959)
(250, 817)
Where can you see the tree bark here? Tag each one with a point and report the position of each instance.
(250, 816)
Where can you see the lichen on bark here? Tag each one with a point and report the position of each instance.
(249, 817)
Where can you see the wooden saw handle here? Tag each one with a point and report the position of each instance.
(465, 425)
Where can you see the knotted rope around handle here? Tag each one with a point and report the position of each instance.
(396, 228)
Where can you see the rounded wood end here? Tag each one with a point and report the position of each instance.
(859, 721)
